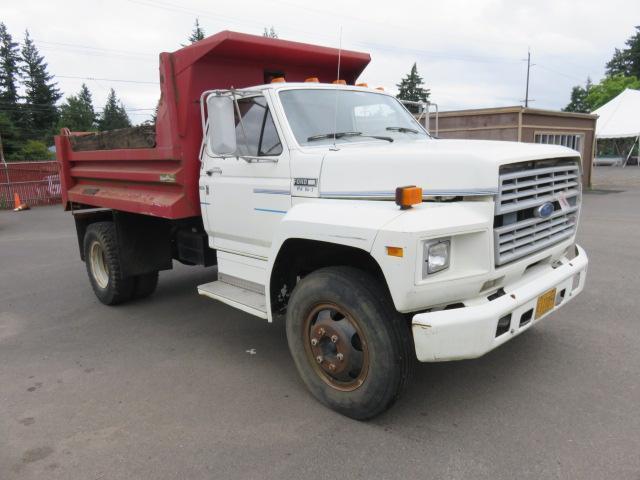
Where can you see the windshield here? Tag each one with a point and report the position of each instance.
(360, 116)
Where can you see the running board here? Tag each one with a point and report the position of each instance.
(238, 297)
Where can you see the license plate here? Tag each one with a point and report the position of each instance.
(546, 302)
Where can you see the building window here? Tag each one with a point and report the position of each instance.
(571, 140)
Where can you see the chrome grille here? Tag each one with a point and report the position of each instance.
(518, 232)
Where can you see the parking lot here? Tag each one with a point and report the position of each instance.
(179, 386)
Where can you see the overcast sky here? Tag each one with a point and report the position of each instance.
(470, 53)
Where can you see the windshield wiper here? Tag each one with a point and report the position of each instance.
(325, 136)
(402, 129)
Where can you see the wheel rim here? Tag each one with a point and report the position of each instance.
(99, 268)
(336, 347)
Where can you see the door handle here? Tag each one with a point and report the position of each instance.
(213, 170)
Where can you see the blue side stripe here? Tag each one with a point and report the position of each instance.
(270, 210)
(270, 191)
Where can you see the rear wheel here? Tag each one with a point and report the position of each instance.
(351, 347)
(103, 264)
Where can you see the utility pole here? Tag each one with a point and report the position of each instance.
(526, 94)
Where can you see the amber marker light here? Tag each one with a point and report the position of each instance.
(339, 82)
(395, 252)
(362, 85)
(408, 196)
(278, 80)
(312, 80)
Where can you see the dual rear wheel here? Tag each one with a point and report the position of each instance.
(103, 266)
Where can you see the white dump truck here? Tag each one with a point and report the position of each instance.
(330, 205)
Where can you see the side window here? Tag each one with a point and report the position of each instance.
(259, 136)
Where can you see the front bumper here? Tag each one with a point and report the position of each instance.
(470, 331)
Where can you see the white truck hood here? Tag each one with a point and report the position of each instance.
(440, 167)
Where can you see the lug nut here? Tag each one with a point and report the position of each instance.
(334, 338)
(340, 356)
(314, 341)
(319, 358)
(321, 331)
(332, 367)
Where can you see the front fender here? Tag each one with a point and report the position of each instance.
(351, 223)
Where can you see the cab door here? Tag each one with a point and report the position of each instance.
(246, 198)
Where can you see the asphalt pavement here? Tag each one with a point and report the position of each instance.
(178, 386)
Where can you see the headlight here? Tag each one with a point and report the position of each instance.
(436, 256)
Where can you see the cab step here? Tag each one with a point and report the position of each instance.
(241, 298)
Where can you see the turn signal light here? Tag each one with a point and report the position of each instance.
(312, 80)
(340, 82)
(278, 80)
(395, 251)
(408, 196)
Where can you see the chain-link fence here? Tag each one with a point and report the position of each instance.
(37, 183)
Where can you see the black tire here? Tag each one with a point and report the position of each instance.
(387, 347)
(145, 285)
(103, 264)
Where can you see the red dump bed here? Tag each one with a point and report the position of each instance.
(163, 181)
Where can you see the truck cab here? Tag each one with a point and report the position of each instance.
(329, 205)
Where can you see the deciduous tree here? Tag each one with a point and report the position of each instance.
(609, 88)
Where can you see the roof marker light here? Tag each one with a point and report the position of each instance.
(340, 82)
(380, 88)
(365, 85)
(312, 80)
(278, 80)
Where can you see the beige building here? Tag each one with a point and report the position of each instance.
(573, 130)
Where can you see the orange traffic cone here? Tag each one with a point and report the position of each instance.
(18, 204)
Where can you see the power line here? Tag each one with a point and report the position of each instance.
(108, 79)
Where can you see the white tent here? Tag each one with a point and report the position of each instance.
(620, 118)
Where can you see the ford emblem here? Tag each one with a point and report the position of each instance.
(545, 210)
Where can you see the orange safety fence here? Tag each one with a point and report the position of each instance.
(36, 183)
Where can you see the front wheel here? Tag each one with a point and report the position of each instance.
(350, 346)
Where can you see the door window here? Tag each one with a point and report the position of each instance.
(256, 135)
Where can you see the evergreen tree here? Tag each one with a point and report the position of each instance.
(270, 32)
(41, 93)
(627, 61)
(9, 137)
(114, 114)
(9, 58)
(411, 88)
(77, 113)
(579, 99)
(197, 34)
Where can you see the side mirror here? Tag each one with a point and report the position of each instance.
(221, 137)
